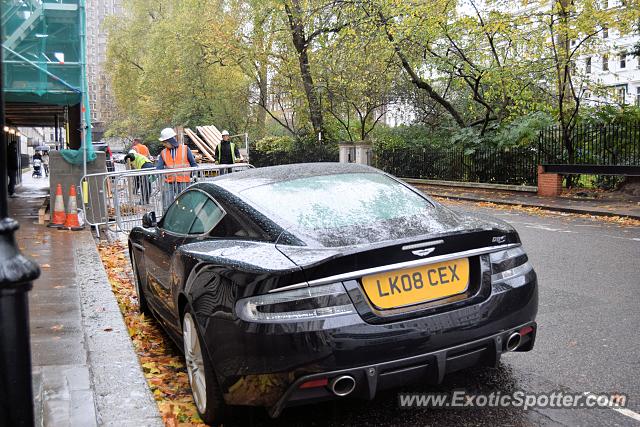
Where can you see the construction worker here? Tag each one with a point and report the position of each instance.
(174, 156)
(140, 148)
(227, 152)
(138, 161)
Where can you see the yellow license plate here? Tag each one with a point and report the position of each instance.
(415, 285)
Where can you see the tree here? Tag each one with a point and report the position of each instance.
(169, 66)
(308, 20)
(572, 31)
(467, 60)
(359, 79)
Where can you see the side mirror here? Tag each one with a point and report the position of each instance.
(149, 220)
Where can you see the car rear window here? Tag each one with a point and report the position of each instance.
(343, 208)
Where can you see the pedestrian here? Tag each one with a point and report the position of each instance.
(174, 156)
(37, 165)
(45, 162)
(140, 148)
(227, 153)
(12, 167)
(109, 159)
(138, 161)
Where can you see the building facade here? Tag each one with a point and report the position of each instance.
(615, 69)
(101, 101)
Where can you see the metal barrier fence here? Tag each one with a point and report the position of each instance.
(118, 200)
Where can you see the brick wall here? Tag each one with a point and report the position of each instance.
(549, 184)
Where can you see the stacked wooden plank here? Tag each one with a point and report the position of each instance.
(211, 134)
(206, 150)
(207, 142)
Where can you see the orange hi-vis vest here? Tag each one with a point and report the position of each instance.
(141, 149)
(181, 161)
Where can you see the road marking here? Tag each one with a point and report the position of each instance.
(633, 239)
(547, 228)
(624, 411)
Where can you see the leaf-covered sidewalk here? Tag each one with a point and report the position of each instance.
(162, 363)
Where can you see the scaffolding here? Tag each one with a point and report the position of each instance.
(44, 56)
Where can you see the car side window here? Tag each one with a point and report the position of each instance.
(207, 217)
(182, 213)
(233, 226)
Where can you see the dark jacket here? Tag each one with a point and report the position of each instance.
(223, 153)
(12, 156)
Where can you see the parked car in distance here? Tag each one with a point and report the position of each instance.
(293, 284)
(118, 157)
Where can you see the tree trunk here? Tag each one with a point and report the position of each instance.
(301, 45)
(262, 76)
(564, 98)
(261, 116)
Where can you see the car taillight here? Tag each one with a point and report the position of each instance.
(509, 263)
(311, 303)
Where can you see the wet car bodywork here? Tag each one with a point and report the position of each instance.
(278, 361)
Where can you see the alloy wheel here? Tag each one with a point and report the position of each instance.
(195, 362)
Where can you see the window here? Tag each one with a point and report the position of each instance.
(588, 65)
(345, 209)
(623, 59)
(638, 96)
(621, 95)
(182, 213)
(235, 225)
(605, 62)
(207, 217)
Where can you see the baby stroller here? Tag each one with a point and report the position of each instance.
(37, 168)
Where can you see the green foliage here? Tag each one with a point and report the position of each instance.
(272, 144)
(170, 65)
(409, 136)
(610, 114)
(523, 131)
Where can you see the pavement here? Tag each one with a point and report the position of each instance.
(85, 372)
(605, 204)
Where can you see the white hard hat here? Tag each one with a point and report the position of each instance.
(132, 151)
(225, 132)
(167, 133)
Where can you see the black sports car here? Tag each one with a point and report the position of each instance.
(293, 284)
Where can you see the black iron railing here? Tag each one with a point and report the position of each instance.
(605, 145)
(490, 165)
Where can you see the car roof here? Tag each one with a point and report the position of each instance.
(240, 181)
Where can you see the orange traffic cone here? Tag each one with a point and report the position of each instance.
(59, 215)
(72, 222)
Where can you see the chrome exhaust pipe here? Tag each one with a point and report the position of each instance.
(513, 342)
(342, 385)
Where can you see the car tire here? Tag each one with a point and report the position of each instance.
(143, 306)
(204, 385)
